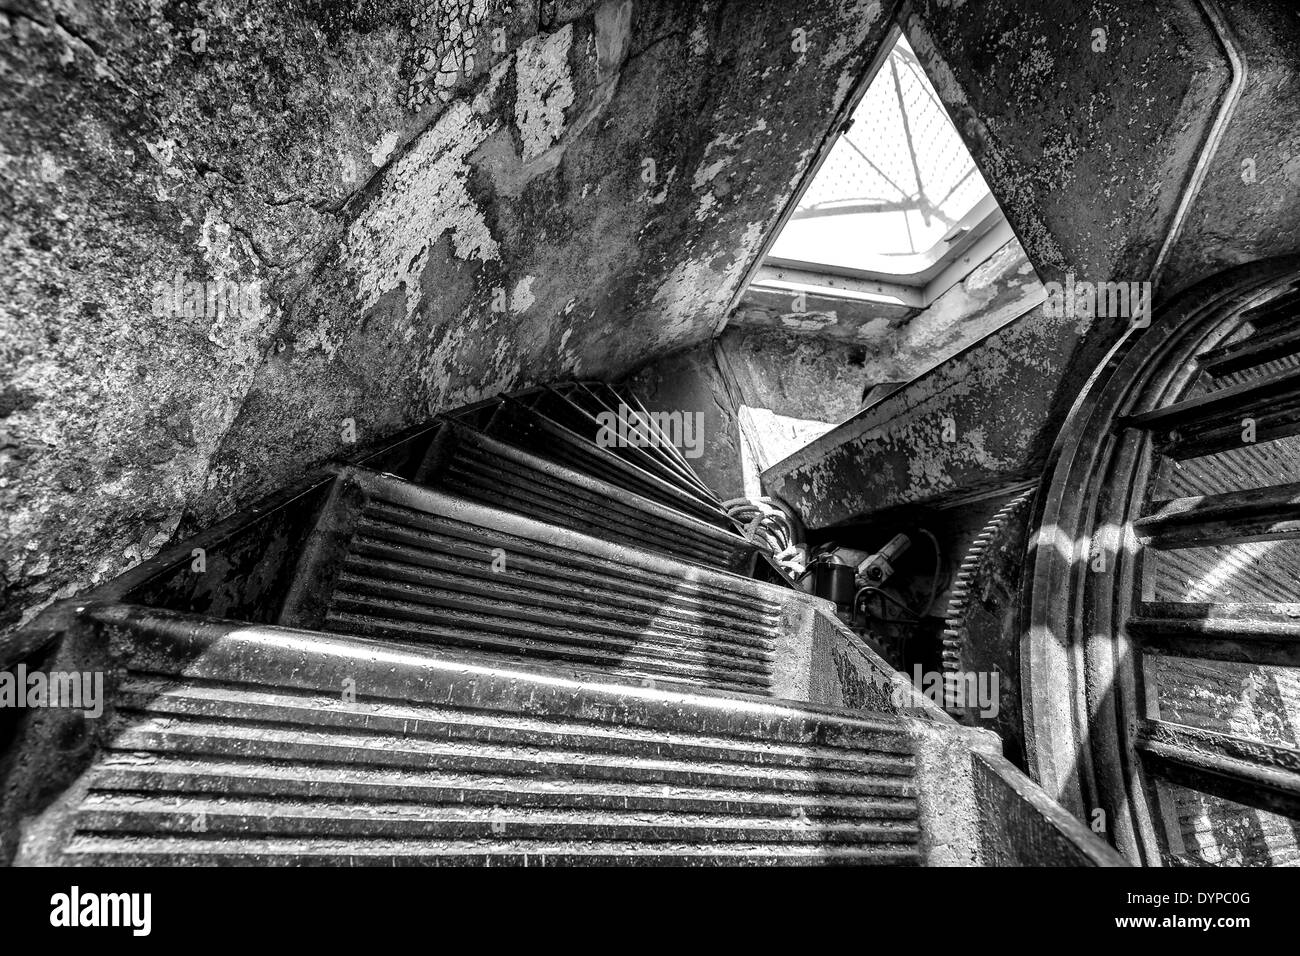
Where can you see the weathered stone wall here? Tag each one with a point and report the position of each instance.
(433, 201)
(1083, 117)
(1087, 119)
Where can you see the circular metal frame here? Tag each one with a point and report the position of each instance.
(1081, 686)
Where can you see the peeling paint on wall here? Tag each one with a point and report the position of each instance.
(439, 67)
(863, 15)
(521, 299)
(383, 148)
(544, 90)
(425, 195)
(975, 420)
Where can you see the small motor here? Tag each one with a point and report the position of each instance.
(880, 566)
(831, 578)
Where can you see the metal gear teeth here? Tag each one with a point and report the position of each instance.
(954, 634)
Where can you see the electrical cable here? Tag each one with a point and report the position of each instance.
(769, 528)
(938, 568)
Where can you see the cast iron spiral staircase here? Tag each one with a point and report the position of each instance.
(493, 639)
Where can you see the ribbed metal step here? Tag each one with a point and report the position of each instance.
(1283, 308)
(1251, 353)
(525, 427)
(474, 466)
(579, 410)
(273, 746)
(412, 564)
(265, 851)
(297, 818)
(1254, 514)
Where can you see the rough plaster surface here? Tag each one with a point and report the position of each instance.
(1072, 138)
(797, 376)
(438, 199)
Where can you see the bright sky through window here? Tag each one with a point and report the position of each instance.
(893, 187)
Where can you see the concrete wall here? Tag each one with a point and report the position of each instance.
(797, 376)
(1083, 137)
(440, 199)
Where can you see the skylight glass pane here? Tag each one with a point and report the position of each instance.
(893, 187)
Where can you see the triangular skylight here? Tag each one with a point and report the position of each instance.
(895, 189)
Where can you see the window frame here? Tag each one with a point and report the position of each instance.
(982, 231)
